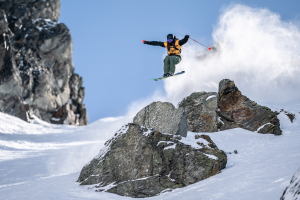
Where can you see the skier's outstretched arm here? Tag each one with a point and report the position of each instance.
(154, 43)
(184, 40)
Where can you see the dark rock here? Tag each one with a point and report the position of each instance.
(36, 61)
(290, 115)
(10, 80)
(200, 108)
(292, 192)
(236, 110)
(163, 117)
(13, 105)
(140, 162)
(235, 151)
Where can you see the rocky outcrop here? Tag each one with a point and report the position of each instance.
(163, 117)
(36, 64)
(292, 192)
(139, 162)
(201, 111)
(236, 110)
(10, 79)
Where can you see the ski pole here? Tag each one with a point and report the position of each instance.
(200, 43)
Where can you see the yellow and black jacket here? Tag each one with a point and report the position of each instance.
(174, 49)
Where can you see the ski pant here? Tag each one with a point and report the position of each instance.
(170, 62)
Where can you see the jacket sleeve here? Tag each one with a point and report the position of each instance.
(155, 43)
(184, 40)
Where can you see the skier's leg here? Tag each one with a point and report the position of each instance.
(174, 60)
(167, 64)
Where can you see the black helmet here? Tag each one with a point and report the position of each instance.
(170, 36)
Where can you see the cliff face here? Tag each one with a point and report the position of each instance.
(36, 68)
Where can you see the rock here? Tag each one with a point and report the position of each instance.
(38, 69)
(292, 192)
(200, 108)
(237, 111)
(67, 115)
(15, 107)
(290, 115)
(139, 162)
(163, 117)
(32, 9)
(10, 80)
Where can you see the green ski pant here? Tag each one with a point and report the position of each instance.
(170, 62)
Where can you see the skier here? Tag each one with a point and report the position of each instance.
(173, 46)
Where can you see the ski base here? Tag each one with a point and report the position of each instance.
(157, 79)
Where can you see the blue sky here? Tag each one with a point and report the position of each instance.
(109, 54)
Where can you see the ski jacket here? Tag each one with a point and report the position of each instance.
(177, 44)
(174, 48)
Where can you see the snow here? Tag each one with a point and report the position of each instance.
(55, 119)
(47, 25)
(262, 127)
(39, 160)
(4, 35)
(191, 141)
(146, 133)
(211, 96)
(166, 142)
(211, 156)
(170, 147)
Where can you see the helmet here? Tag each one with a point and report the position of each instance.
(170, 36)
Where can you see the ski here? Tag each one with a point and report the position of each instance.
(157, 79)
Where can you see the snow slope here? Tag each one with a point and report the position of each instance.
(43, 161)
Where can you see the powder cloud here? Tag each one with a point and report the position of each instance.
(254, 48)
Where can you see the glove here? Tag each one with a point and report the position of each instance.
(187, 36)
(145, 42)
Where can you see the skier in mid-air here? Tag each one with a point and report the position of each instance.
(173, 46)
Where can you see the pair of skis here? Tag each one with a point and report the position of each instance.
(158, 79)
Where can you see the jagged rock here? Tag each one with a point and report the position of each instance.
(200, 108)
(163, 117)
(236, 110)
(66, 115)
(139, 162)
(32, 9)
(10, 80)
(14, 106)
(292, 192)
(290, 115)
(39, 60)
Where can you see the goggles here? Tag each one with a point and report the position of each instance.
(170, 40)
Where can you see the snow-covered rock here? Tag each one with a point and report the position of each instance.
(292, 192)
(139, 162)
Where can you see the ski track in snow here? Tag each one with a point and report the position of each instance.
(43, 161)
